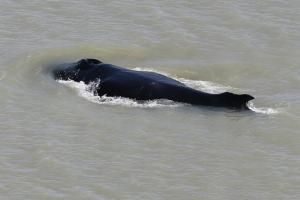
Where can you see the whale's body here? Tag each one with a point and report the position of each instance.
(143, 85)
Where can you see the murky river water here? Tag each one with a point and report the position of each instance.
(60, 142)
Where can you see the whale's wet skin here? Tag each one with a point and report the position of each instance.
(61, 141)
(114, 81)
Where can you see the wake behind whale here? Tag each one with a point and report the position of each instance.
(114, 81)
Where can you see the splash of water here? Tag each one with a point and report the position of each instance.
(262, 110)
(87, 92)
(205, 86)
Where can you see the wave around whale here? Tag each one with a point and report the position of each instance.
(87, 92)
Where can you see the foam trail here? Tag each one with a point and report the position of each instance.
(268, 111)
(87, 92)
(205, 86)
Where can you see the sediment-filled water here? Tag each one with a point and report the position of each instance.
(58, 141)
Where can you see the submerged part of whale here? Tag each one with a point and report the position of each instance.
(142, 85)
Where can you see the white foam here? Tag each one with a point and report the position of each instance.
(268, 111)
(87, 92)
(205, 86)
(82, 89)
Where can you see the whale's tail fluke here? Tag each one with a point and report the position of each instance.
(236, 101)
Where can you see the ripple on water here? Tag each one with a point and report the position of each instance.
(2, 75)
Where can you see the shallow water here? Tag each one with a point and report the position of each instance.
(60, 142)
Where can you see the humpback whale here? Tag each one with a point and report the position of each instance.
(117, 81)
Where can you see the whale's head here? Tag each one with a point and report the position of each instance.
(74, 71)
(235, 101)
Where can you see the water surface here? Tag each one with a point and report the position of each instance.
(59, 142)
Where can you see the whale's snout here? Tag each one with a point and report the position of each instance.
(74, 71)
(64, 71)
(59, 74)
